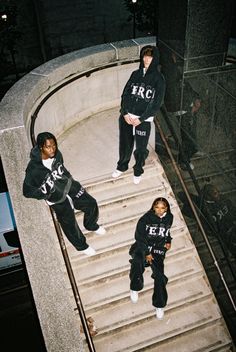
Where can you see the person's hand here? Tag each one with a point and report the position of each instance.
(136, 122)
(149, 258)
(196, 105)
(168, 246)
(128, 119)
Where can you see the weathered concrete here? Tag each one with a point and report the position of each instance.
(36, 231)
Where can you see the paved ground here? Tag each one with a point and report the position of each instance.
(92, 155)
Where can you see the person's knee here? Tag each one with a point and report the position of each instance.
(141, 152)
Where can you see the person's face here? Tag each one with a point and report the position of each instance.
(215, 194)
(147, 60)
(49, 149)
(160, 208)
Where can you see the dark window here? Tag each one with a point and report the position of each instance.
(12, 238)
(3, 184)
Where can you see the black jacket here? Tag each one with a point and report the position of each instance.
(153, 231)
(143, 94)
(42, 183)
(221, 213)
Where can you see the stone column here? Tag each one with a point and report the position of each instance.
(193, 35)
(193, 38)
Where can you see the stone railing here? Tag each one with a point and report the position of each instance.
(61, 92)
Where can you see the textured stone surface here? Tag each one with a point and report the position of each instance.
(40, 250)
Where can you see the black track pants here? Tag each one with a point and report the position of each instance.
(188, 136)
(159, 297)
(66, 215)
(126, 145)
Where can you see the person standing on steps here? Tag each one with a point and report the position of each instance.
(140, 101)
(47, 178)
(188, 119)
(152, 240)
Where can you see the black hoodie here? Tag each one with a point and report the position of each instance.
(42, 183)
(143, 93)
(153, 231)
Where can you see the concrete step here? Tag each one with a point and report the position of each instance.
(132, 207)
(207, 338)
(115, 260)
(179, 293)
(122, 233)
(106, 188)
(114, 287)
(151, 331)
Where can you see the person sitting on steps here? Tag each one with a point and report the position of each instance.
(152, 241)
(47, 178)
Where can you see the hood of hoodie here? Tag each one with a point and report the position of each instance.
(35, 155)
(54, 184)
(155, 59)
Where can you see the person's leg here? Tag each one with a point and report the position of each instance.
(88, 205)
(137, 270)
(192, 145)
(66, 217)
(126, 144)
(160, 296)
(188, 137)
(142, 134)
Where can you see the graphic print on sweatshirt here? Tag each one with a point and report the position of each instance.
(141, 91)
(155, 231)
(51, 178)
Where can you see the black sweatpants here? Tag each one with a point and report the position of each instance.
(188, 130)
(126, 145)
(83, 201)
(160, 296)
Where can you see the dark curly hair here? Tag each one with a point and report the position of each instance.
(163, 200)
(43, 137)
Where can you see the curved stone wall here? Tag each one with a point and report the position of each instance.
(89, 94)
(58, 111)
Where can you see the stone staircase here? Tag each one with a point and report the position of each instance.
(193, 320)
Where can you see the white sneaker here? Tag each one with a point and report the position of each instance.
(100, 231)
(199, 153)
(159, 313)
(117, 173)
(191, 166)
(134, 296)
(89, 251)
(137, 179)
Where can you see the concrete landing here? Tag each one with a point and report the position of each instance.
(90, 148)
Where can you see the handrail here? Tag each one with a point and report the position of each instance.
(74, 286)
(165, 113)
(70, 80)
(157, 124)
(69, 269)
(71, 276)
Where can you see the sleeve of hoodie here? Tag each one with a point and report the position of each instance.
(140, 235)
(126, 95)
(154, 105)
(30, 190)
(168, 238)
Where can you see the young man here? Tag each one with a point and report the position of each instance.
(47, 178)
(140, 101)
